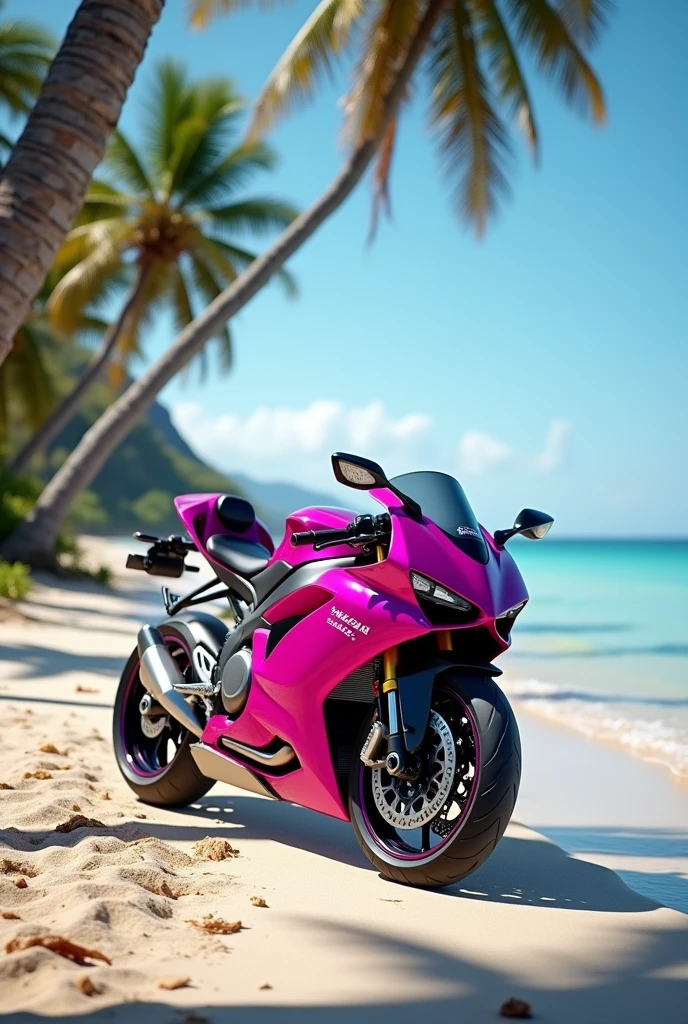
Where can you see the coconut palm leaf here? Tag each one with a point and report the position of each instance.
(26, 385)
(392, 26)
(324, 34)
(505, 68)
(209, 285)
(201, 11)
(255, 215)
(473, 140)
(84, 282)
(26, 50)
(241, 257)
(541, 27)
(125, 165)
(585, 19)
(230, 174)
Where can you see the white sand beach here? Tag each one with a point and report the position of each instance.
(548, 919)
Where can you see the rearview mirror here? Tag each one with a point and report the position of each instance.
(530, 523)
(355, 471)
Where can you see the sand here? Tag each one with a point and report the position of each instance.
(335, 942)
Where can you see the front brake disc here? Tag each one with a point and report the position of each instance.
(407, 805)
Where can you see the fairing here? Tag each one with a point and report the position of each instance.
(349, 616)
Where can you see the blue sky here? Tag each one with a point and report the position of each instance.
(545, 365)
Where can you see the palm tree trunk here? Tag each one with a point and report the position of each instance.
(61, 416)
(44, 184)
(34, 540)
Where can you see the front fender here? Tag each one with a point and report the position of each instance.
(416, 689)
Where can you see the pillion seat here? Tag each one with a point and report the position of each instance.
(244, 557)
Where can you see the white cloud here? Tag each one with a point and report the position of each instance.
(555, 449)
(295, 444)
(480, 452)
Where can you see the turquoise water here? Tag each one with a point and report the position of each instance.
(602, 645)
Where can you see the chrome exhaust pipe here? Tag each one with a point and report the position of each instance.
(160, 674)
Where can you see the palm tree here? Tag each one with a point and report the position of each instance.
(25, 52)
(44, 183)
(166, 223)
(471, 52)
(29, 384)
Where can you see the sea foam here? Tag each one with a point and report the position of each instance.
(628, 724)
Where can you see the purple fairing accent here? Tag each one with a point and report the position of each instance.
(133, 754)
(422, 856)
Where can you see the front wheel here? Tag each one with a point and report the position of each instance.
(439, 829)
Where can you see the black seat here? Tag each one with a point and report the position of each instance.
(237, 514)
(244, 557)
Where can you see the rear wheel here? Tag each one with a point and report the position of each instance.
(441, 828)
(152, 751)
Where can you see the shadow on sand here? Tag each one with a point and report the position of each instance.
(631, 989)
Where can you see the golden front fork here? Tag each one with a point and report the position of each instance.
(444, 640)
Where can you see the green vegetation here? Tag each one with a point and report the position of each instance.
(26, 50)
(15, 580)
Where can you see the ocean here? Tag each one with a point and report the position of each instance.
(602, 645)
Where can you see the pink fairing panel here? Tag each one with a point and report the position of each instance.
(289, 687)
(197, 512)
(320, 518)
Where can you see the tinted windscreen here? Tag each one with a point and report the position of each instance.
(442, 499)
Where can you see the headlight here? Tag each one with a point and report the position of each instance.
(432, 591)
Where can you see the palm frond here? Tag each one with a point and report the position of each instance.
(258, 215)
(84, 281)
(324, 34)
(26, 51)
(496, 45)
(241, 258)
(209, 286)
(540, 26)
(585, 19)
(388, 37)
(168, 104)
(383, 166)
(228, 175)
(125, 165)
(26, 384)
(473, 141)
(201, 140)
(201, 12)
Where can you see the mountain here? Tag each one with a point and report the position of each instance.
(275, 501)
(136, 487)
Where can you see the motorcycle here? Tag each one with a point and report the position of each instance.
(355, 676)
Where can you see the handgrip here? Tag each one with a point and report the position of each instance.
(319, 536)
(308, 537)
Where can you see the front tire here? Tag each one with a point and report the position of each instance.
(484, 790)
(159, 768)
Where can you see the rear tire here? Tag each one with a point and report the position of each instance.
(176, 783)
(488, 810)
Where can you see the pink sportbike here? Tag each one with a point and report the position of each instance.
(354, 675)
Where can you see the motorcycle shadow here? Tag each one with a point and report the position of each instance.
(525, 867)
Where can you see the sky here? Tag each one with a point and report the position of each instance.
(544, 365)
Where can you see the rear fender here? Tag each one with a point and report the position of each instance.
(415, 694)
